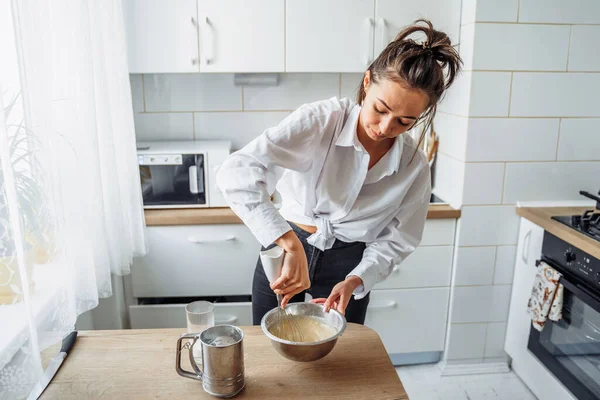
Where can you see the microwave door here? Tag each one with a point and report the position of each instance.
(173, 184)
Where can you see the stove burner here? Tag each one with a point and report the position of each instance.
(588, 223)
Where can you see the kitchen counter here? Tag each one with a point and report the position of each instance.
(140, 364)
(202, 216)
(541, 216)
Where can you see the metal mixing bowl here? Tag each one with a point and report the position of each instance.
(305, 351)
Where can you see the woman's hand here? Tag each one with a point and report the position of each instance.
(340, 294)
(294, 276)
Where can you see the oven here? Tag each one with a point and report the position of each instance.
(570, 348)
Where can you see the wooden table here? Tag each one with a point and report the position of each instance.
(140, 364)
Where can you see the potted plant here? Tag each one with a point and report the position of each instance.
(32, 212)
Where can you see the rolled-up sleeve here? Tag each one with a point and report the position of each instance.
(398, 239)
(248, 177)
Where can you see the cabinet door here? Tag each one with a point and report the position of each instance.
(529, 249)
(427, 266)
(162, 35)
(409, 320)
(241, 35)
(163, 316)
(329, 35)
(196, 260)
(391, 16)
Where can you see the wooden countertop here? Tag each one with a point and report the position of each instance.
(542, 216)
(140, 364)
(202, 216)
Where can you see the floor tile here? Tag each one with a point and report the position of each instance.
(424, 382)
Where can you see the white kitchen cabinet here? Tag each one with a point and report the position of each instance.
(409, 320)
(391, 16)
(439, 232)
(174, 36)
(329, 35)
(161, 35)
(196, 260)
(241, 35)
(173, 315)
(427, 266)
(409, 309)
(529, 249)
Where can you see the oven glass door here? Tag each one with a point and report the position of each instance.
(570, 348)
(173, 184)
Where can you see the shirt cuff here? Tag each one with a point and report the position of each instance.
(266, 224)
(368, 273)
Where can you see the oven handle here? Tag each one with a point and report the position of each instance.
(581, 292)
(589, 298)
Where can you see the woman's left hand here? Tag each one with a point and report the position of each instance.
(340, 295)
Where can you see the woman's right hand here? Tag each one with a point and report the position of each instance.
(294, 276)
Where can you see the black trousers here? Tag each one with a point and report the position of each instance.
(326, 269)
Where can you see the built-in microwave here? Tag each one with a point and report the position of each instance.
(181, 174)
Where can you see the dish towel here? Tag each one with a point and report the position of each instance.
(546, 299)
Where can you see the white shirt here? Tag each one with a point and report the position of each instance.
(316, 162)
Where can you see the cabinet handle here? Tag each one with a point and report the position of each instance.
(195, 25)
(207, 51)
(368, 56)
(383, 34)
(230, 320)
(525, 252)
(197, 240)
(390, 304)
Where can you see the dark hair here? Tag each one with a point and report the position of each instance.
(430, 66)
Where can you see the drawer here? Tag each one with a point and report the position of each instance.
(409, 320)
(173, 315)
(438, 232)
(427, 266)
(196, 260)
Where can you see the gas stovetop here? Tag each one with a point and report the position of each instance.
(587, 223)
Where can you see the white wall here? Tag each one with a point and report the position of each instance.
(210, 106)
(522, 124)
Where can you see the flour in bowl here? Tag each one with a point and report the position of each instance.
(311, 329)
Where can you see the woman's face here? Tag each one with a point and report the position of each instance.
(389, 109)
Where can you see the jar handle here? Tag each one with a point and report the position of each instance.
(187, 374)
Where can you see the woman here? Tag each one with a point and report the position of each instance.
(354, 190)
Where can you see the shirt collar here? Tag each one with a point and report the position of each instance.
(389, 163)
(395, 154)
(348, 136)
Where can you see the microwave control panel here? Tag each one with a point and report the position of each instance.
(160, 159)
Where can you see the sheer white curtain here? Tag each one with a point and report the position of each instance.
(70, 203)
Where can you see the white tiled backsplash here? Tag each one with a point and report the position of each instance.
(560, 12)
(523, 47)
(210, 106)
(522, 123)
